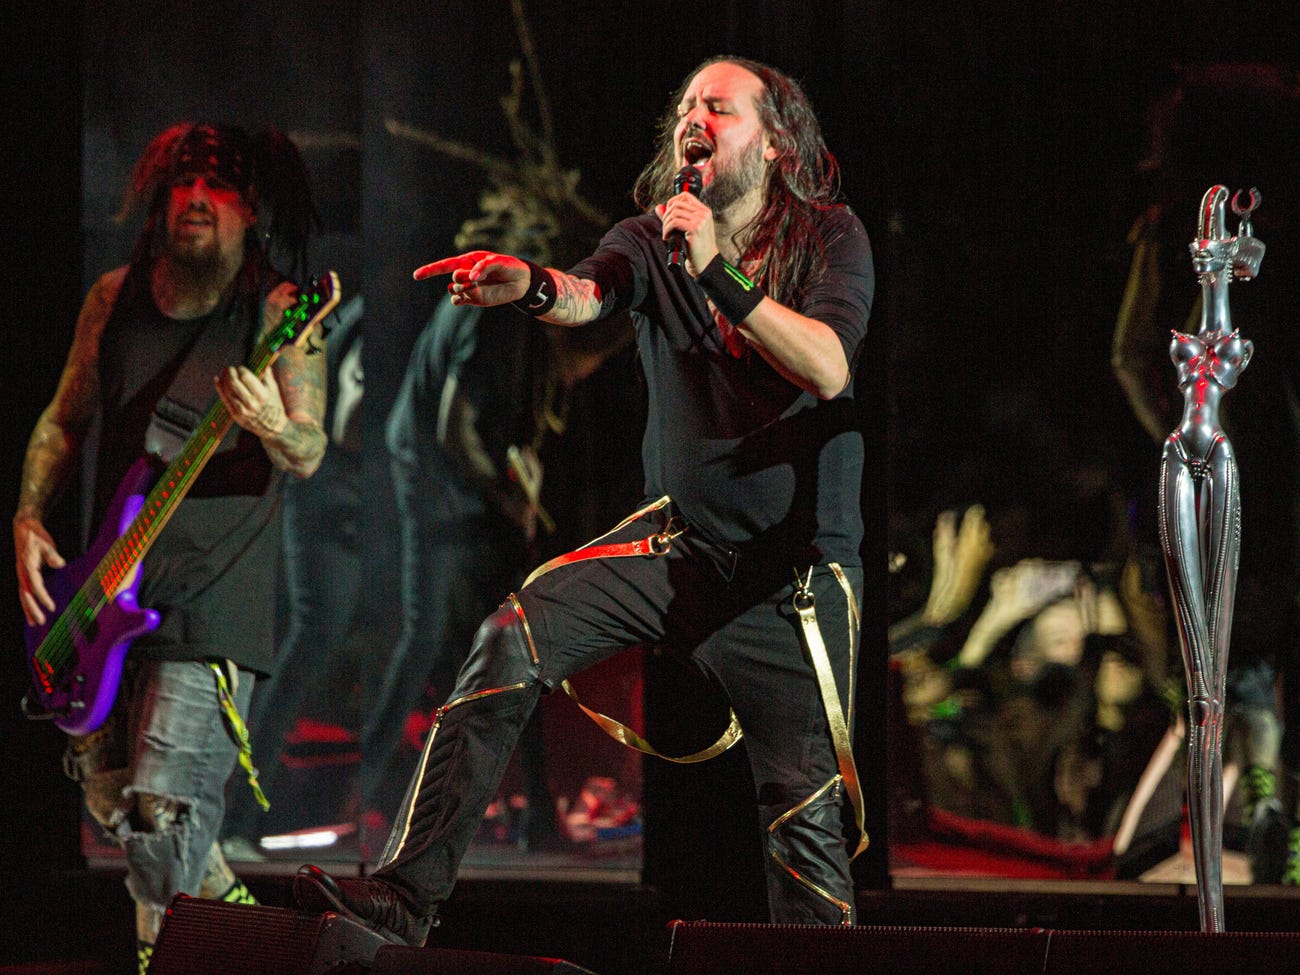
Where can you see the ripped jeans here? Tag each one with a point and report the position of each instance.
(153, 775)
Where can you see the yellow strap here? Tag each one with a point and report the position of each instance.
(239, 732)
(654, 546)
(805, 606)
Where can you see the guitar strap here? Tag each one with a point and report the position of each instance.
(180, 410)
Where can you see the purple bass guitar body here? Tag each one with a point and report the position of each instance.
(75, 658)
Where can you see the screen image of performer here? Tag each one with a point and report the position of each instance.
(744, 558)
(483, 390)
(150, 337)
(321, 581)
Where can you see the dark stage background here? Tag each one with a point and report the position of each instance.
(990, 150)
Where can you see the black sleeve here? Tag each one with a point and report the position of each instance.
(618, 268)
(841, 298)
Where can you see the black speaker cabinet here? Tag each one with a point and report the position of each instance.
(1172, 952)
(761, 949)
(205, 937)
(445, 961)
(699, 947)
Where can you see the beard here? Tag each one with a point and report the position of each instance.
(199, 266)
(732, 180)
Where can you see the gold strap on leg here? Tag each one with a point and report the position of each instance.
(238, 731)
(624, 735)
(654, 546)
(845, 908)
(805, 606)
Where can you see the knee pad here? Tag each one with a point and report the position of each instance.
(503, 654)
(1201, 712)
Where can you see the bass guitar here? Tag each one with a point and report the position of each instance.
(75, 658)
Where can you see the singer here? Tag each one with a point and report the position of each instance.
(744, 558)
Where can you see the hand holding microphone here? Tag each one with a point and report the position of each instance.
(688, 180)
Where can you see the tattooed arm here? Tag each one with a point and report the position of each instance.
(577, 300)
(285, 407)
(55, 446)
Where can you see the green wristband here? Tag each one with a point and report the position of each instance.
(731, 292)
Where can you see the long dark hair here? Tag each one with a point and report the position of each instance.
(803, 179)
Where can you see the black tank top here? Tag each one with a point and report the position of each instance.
(212, 570)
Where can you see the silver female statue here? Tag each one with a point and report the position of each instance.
(1200, 523)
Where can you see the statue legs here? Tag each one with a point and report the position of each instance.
(1200, 533)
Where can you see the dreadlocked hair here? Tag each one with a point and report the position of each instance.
(279, 189)
(284, 189)
(802, 180)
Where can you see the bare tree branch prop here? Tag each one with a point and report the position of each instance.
(532, 202)
(535, 73)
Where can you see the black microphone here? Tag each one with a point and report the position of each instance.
(687, 180)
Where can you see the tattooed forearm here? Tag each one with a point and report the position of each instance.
(299, 446)
(577, 300)
(45, 468)
(56, 441)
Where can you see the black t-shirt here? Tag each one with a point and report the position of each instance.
(751, 460)
(212, 570)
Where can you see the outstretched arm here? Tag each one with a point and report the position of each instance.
(486, 279)
(284, 407)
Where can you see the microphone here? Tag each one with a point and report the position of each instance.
(687, 180)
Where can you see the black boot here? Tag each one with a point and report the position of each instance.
(465, 759)
(372, 903)
(463, 762)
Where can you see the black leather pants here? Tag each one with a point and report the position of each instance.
(734, 620)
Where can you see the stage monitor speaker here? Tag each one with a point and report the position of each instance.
(446, 961)
(1172, 952)
(206, 937)
(700, 947)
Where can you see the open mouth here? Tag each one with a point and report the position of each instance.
(696, 151)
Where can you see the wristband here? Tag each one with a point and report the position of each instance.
(733, 294)
(541, 294)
